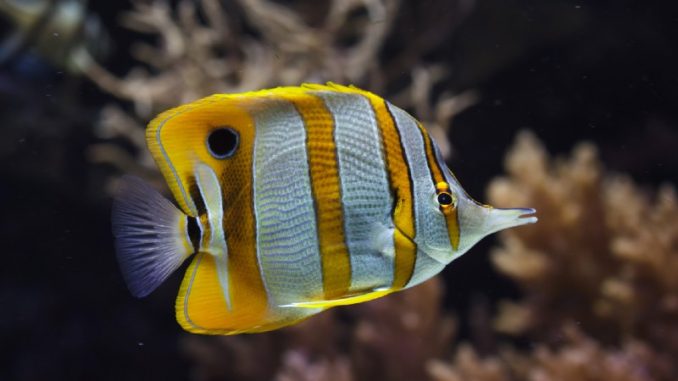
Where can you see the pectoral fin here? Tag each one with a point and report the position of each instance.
(151, 235)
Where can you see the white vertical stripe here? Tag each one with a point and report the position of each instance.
(430, 225)
(210, 191)
(366, 198)
(287, 240)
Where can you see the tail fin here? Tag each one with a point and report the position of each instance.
(151, 235)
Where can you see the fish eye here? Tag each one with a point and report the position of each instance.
(445, 199)
(222, 142)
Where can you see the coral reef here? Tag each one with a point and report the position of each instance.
(597, 304)
(602, 258)
(579, 358)
(591, 291)
(209, 46)
(604, 255)
(563, 257)
(600, 299)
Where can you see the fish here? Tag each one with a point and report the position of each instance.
(291, 201)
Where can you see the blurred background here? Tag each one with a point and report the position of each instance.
(566, 106)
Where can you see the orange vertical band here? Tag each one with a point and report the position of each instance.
(451, 216)
(401, 183)
(326, 190)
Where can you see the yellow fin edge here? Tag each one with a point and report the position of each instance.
(342, 301)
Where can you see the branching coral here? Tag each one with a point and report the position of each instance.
(599, 296)
(561, 259)
(400, 333)
(209, 46)
(579, 358)
(597, 272)
(297, 367)
(603, 256)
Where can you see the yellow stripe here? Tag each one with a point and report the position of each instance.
(401, 184)
(325, 186)
(182, 139)
(247, 288)
(451, 215)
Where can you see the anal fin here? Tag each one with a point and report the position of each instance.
(202, 307)
(344, 301)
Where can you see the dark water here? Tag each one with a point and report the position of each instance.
(569, 70)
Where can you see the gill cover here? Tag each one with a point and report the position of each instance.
(178, 141)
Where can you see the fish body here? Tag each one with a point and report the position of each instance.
(293, 200)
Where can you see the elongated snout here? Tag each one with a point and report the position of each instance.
(500, 218)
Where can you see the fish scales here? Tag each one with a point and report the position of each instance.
(325, 183)
(366, 193)
(287, 237)
(302, 199)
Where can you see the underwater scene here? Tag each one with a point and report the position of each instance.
(339, 190)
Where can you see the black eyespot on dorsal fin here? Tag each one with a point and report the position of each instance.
(445, 199)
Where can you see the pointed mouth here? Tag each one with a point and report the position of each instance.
(527, 215)
(501, 219)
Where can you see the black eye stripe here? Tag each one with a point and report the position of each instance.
(223, 142)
